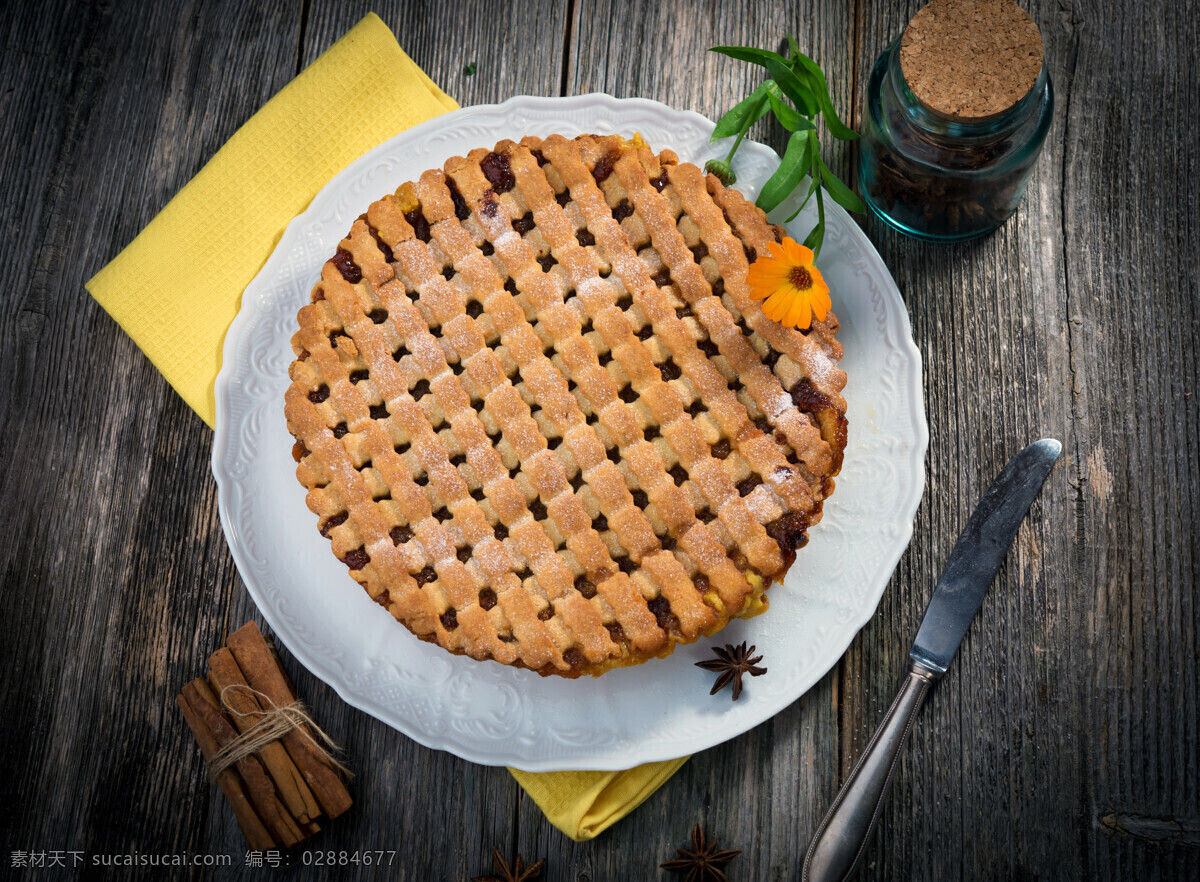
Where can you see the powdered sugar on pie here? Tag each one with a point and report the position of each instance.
(539, 416)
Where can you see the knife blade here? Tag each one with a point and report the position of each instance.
(978, 553)
(841, 840)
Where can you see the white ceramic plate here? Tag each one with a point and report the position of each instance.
(486, 712)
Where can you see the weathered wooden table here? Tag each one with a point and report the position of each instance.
(1064, 743)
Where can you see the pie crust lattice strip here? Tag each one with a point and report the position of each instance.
(541, 420)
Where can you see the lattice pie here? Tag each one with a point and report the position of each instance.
(541, 420)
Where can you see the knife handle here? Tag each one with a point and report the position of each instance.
(841, 840)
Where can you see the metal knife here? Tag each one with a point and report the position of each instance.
(840, 841)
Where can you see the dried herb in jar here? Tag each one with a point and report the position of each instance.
(957, 110)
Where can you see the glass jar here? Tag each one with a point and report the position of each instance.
(940, 179)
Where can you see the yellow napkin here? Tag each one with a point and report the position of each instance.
(585, 804)
(178, 285)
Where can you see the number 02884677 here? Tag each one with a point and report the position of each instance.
(365, 858)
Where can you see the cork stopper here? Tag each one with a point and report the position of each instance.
(971, 59)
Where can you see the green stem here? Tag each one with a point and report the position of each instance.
(753, 115)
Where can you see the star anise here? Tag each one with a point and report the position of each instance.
(731, 663)
(703, 862)
(518, 872)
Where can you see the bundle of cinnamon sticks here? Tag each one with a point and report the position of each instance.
(279, 792)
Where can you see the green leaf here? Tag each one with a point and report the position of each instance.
(792, 86)
(785, 113)
(814, 181)
(738, 119)
(841, 194)
(820, 88)
(750, 54)
(780, 70)
(816, 238)
(792, 47)
(788, 175)
(798, 79)
(791, 217)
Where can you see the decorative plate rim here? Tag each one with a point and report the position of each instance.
(233, 386)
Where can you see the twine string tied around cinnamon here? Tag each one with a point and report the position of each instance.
(275, 723)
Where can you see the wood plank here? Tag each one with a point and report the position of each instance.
(513, 54)
(1052, 714)
(113, 565)
(968, 799)
(404, 790)
(1130, 223)
(660, 51)
(152, 552)
(1062, 745)
(762, 792)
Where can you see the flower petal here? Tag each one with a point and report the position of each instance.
(776, 306)
(777, 251)
(762, 291)
(800, 313)
(790, 245)
(819, 296)
(797, 254)
(819, 283)
(767, 272)
(821, 305)
(768, 307)
(765, 276)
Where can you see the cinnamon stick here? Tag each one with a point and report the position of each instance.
(246, 711)
(261, 670)
(310, 828)
(273, 813)
(228, 780)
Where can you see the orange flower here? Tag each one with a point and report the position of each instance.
(792, 287)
